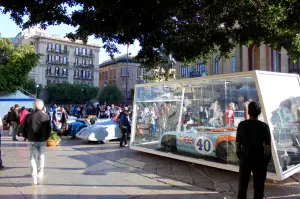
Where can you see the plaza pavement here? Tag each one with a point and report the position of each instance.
(80, 170)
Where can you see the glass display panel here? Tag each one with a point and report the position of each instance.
(282, 105)
(196, 118)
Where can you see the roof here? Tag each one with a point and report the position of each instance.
(17, 96)
(120, 59)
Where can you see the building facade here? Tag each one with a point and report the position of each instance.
(123, 72)
(242, 59)
(61, 59)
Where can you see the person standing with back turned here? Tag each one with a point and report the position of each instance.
(37, 130)
(253, 148)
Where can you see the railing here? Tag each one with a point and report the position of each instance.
(57, 75)
(80, 54)
(57, 63)
(53, 50)
(83, 65)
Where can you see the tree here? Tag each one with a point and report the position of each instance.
(160, 72)
(66, 93)
(15, 64)
(111, 94)
(187, 29)
(30, 87)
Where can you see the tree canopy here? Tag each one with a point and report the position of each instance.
(66, 93)
(187, 29)
(30, 88)
(15, 65)
(111, 94)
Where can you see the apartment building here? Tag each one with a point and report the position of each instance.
(62, 60)
(242, 59)
(123, 72)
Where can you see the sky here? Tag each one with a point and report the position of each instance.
(8, 28)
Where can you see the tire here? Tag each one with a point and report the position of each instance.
(169, 143)
(226, 152)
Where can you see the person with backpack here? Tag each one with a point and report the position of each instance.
(37, 129)
(8, 121)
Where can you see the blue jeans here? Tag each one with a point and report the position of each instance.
(153, 127)
(0, 148)
(15, 130)
(37, 157)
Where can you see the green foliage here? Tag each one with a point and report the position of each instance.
(66, 93)
(188, 29)
(54, 136)
(111, 94)
(15, 64)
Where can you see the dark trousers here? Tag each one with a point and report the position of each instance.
(124, 136)
(0, 149)
(259, 176)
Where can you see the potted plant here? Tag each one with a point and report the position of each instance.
(53, 140)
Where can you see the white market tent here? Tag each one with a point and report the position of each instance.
(8, 100)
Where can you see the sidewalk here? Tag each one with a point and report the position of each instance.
(71, 174)
(77, 169)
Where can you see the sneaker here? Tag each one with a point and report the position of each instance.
(40, 174)
(2, 167)
(35, 182)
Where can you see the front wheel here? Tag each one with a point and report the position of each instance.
(226, 151)
(169, 143)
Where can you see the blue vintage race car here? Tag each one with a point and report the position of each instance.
(218, 143)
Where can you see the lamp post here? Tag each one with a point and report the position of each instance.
(105, 93)
(36, 88)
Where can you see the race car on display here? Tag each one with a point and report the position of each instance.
(102, 130)
(217, 143)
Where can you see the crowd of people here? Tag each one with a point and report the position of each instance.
(253, 141)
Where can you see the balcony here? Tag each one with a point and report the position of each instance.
(57, 63)
(61, 52)
(80, 54)
(79, 77)
(83, 65)
(49, 74)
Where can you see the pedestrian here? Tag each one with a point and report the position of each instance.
(1, 130)
(8, 121)
(64, 122)
(15, 120)
(253, 148)
(23, 114)
(125, 125)
(37, 130)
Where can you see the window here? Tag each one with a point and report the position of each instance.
(123, 72)
(49, 58)
(233, 64)
(91, 52)
(83, 74)
(57, 48)
(77, 51)
(65, 60)
(65, 49)
(90, 62)
(49, 46)
(57, 58)
(84, 52)
(76, 73)
(84, 62)
(64, 72)
(140, 72)
(201, 68)
(48, 72)
(123, 85)
(56, 71)
(32, 43)
(217, 65)
(90, 75)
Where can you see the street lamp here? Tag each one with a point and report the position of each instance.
(105, 93)
(36, 88)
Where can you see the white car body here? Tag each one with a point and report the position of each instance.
(102, 130)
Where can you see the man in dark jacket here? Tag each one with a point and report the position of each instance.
(15, 120)
(253, 148)
(37, 130)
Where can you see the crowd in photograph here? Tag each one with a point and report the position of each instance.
(60, 114)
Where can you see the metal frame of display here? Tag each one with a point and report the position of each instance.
(278, 175)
